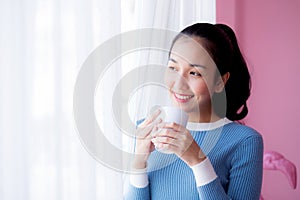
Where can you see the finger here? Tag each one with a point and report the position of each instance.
(164, 133)
(172, 125)
(151, 118)
(164, 140)
(174, 146)
(143, 132)
(166, 147)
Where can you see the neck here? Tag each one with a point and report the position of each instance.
(205, 116)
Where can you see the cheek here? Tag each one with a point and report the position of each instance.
(199, 87)
(170, 78)
(168, 81)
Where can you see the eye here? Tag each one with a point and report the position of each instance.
(172, 68)
(195, 73)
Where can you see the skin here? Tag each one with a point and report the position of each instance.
(192, 77)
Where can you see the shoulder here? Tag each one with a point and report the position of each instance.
(238, 136)
(248, 144)
(240, 130)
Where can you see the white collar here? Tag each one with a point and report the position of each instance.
(194, 126)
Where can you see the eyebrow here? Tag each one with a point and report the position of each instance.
(191, 65)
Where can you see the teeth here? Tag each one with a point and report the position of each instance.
(185, 97)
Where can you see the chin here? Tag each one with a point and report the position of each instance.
(190, 107)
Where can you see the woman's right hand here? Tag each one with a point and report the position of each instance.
(144, 146)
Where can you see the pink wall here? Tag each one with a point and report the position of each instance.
(269, 35)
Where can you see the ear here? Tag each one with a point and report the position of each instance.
(221, 82)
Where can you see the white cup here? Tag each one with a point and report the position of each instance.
(172, 114)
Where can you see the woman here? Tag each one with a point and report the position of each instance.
(215, 157)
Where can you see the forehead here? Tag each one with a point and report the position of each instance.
(190, 50)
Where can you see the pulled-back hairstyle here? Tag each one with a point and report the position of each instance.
(220, 42)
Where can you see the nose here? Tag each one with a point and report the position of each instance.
(180, 82)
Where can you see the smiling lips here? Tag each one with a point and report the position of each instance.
(182, 98)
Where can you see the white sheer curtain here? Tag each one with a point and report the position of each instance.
(42, 46)
(172, 15)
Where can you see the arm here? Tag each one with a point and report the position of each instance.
(245, 175)
(139, 188)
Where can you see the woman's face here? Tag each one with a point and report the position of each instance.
(191, 78)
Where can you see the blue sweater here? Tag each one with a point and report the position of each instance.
(236, 154)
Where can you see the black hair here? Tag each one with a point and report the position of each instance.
(220, 42)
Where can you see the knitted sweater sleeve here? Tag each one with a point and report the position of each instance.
(245, 177)
(140, 190)
(134, 193)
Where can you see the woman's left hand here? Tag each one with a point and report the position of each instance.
(177, 139)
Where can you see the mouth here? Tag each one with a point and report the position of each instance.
(182, 98)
